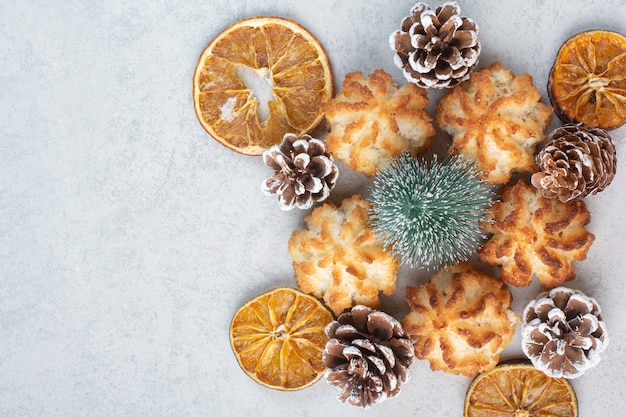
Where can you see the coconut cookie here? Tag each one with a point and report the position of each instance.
(339, 259)
(496, 118)
(536, 235)
(372, 120)
(461, 320)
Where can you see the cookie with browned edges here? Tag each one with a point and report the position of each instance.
(496, 118)
(339, 259)
(534, 235)
(373, 119)
(460, 320)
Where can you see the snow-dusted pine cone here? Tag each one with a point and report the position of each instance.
(305, 172)
(576, 161)
(368, 356)
(563, 333)
(436, 48)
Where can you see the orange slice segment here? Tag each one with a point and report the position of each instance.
(278, 338)
(587, 82)
(518, 389)
(282, 54)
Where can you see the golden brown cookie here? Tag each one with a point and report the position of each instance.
(460, 320)
(496, 118)
(339, 259)
(536, 235)
(372, 120)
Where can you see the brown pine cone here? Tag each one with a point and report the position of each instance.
(436, 48)
(305, 172)
(576, 161)
(563, 333)
(368, 356)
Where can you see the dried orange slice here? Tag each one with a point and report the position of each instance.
(271, 53)
(587, 83)
(518, 389)
(278, 338)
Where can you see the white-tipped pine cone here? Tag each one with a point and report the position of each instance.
(368, 356)
(563, 333)
(305, 172)
(576, 161)
(436, 48)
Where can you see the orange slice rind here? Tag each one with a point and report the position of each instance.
(282, 54)
(518, 389)
(587, 83)
(278, 338)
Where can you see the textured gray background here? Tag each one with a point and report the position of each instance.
(128, 237)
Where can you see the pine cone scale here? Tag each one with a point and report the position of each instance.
(402, 43)
(430, 61)
(287, 195)
(334, 354)
(454, 58)
(465, 39)
(448, 11)
(347, 332)
(312, 185)
(301, 161)
(269, 159)
(320, 167)
(272, 184)
(364, 344)
(447, 32)
(388, 354)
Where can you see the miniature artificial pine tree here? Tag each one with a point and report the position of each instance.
(429, 215)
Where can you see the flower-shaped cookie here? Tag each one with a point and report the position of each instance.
(496, 118)
(339, 259)
(536, 235)
(461, 320)
(372, 120)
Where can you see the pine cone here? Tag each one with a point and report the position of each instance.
(563, 333)
(436, 48)
(368, 356)
(305, 172)
(576, 161)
